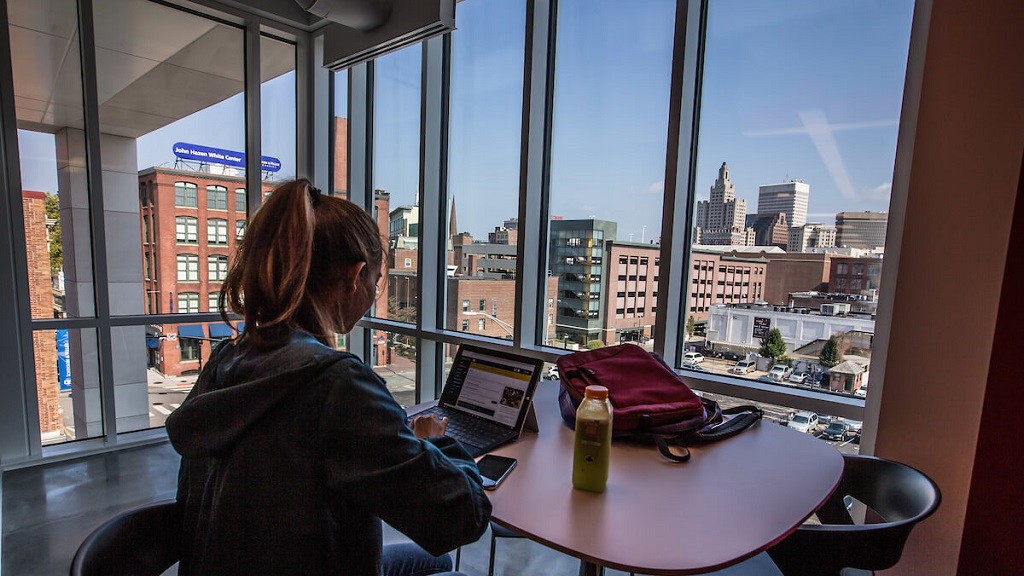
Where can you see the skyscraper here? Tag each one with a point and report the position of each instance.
(720, 220)
(861, 229)
(789, 198)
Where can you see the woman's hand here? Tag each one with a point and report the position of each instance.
(429, 426)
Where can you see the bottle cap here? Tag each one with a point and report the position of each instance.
(598, 392)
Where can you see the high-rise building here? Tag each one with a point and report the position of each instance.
(813, 235)
(769, 229)
(721, 220)
(789, 198)
(576, 258)
(861, 229)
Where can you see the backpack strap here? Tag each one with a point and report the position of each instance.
(675, 448)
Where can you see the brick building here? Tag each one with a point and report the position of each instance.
(631, 285)
(44, 342)
(855, 275)
(190, 226)
(795, 272)
(487, 307)
(717, 277)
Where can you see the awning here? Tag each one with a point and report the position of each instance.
(191, 331)
(220, 331)
(152, 342)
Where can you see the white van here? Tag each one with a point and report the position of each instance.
(744, 367)
(805, 422)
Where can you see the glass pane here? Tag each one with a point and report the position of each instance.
(278, 112)
(340, 127)
(607, 170)
(55, 195)
(793, 183)
(485, 135)
(394, 360)
(396, 154)
(67, 385)
(173, 124)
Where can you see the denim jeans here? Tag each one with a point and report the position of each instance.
(408, 559)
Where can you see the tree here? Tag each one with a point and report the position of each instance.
(772, 345)
(691, 324)
(52, 205)
(595, 344)
(830, 354)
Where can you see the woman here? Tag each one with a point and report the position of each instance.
(293, 452)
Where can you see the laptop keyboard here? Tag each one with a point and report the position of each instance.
(469, 430)
(473, 431)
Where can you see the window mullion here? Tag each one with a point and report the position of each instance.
(535, 170)
(681, 155)
(433, 209)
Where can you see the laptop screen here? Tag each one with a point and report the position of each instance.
(491, 385)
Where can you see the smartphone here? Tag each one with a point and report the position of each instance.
(494, 469)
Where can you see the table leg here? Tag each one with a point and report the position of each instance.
(590, 569)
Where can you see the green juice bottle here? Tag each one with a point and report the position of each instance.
(593, 440)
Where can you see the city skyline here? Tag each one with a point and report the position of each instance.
(831, 122)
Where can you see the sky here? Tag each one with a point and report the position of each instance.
(798, 89)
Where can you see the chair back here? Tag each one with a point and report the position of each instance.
(144, 541)
(897, 497)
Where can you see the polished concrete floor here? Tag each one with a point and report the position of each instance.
(48, 510)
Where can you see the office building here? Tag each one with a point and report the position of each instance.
(809, 236)
(725, 277)
(721, 221)
(769, 229)
(577, 259)
(795, 272)
(789, 198)
(855, 276)
(631, 285)
(865, 230)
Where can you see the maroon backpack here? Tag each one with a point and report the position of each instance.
(650, 402)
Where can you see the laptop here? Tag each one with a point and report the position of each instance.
(488, 397)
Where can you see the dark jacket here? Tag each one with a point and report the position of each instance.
(292, 457)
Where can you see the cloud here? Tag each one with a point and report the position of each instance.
(824, 140)
(657, 187)
(835, 128)
(880, 192)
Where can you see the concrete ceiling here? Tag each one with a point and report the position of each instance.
(154, 64)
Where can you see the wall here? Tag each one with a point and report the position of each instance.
(958, 170)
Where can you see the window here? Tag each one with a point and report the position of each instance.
(186, 230)
(190, 349)
(483, 305)
(465, 305)
(240, 200)
(186, 195)
(482, 324)
(188, 302)
(408, 262)
(465, 325)
(145, 230)
(216, 198)
(217, 231)
(218, 266)
(188, 268)
(214, 302)
(239, 229)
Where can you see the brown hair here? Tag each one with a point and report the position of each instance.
(292, 261)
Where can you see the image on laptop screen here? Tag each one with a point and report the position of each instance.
(490, 386)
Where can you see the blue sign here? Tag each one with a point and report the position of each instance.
(199, 153)
(63, 359)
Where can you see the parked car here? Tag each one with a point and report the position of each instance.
(855, 428)
(798, 377)
(805, 422)
(553, 372)
(836, 430)
(694, 367)
(824, 419)
(731, 355)
(693, 357)
(780, 372)
(743, 367)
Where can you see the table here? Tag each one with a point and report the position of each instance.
(732, 500)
